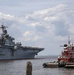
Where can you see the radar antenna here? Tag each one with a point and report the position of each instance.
(4, 29)
(69, 40)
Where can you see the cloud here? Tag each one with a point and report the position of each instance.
(56, 17)
(30, 35)
(44, 28)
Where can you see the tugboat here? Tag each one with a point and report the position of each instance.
(66, 59)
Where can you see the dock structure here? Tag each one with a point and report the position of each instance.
(29, 68)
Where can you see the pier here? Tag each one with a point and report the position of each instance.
(29, 68)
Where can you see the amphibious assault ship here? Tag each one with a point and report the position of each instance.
(11, 50)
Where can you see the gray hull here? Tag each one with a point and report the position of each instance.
(17, 54)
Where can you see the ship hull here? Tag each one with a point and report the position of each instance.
(17, 54)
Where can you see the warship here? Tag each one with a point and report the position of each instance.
(14, 50)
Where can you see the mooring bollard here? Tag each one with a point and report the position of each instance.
(29, 68)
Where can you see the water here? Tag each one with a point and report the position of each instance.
(18, 67)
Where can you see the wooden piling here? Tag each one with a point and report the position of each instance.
(29, 68)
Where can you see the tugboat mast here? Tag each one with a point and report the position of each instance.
(69, 40)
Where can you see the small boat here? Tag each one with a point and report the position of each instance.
(50, 65)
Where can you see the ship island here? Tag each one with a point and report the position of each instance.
(14, 50)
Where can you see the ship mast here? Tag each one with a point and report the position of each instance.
(3, 35)
(4, 29)
(69, 41)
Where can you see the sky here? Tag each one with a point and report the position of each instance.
(39, 23)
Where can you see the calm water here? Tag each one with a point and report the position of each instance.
(18, 67)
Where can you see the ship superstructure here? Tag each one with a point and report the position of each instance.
(11, 50)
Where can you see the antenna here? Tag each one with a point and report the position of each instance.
(4, 31)
(68, 40)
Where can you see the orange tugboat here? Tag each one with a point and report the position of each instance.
(66, 59)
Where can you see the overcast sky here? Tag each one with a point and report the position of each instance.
(40, 23)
